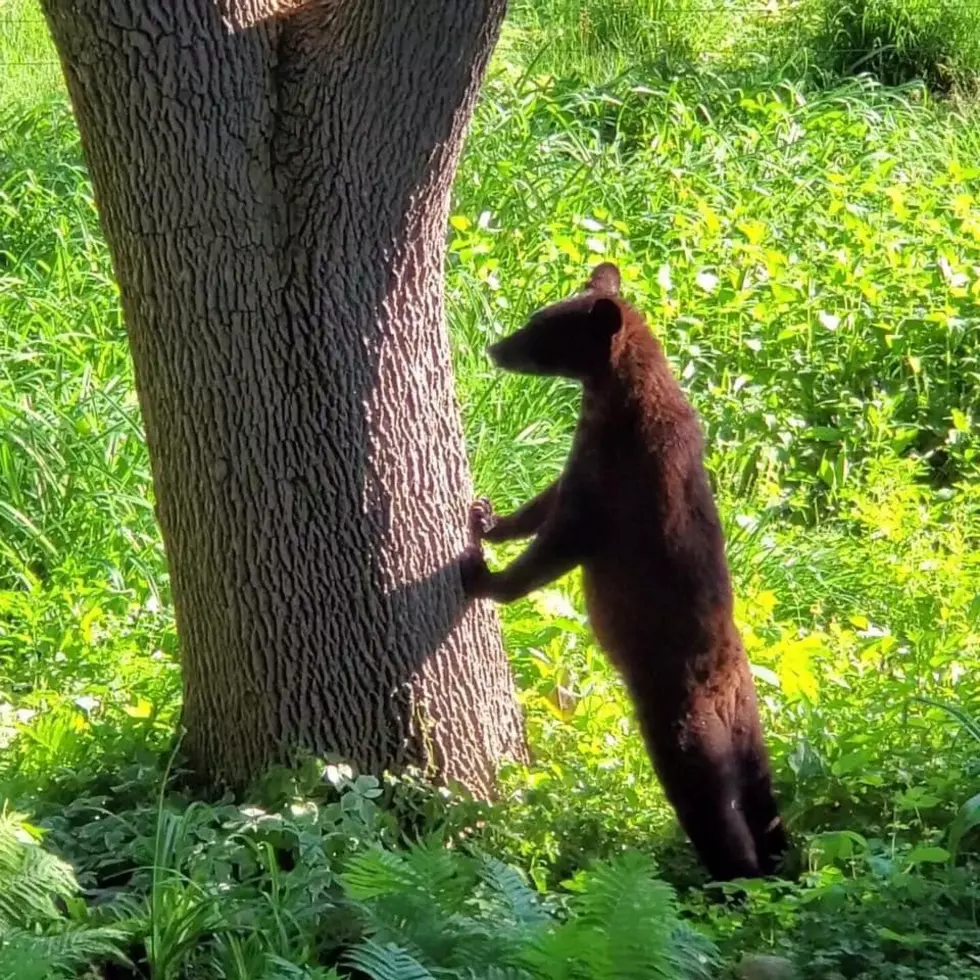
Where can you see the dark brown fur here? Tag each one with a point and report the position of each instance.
(634, 508)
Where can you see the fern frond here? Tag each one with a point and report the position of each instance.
(31, 879)
(635, 915)
(494, 973)
(481, 944)
(278, 968)
(403, 921)
(565, 952)
(622, 889)
(386, 962)
(429, 909)
(406, 898)
(376, 872)
(27, 955)
(623, 925)
(506, 882)
(693, 955)
(446, 877)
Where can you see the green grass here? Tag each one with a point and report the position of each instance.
(29, 69)
(897, 41)
(601, 40)
(808, 249)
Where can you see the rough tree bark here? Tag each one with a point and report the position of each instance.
(273, 180)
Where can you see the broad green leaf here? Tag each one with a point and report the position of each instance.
(928, 855)
(966, 819)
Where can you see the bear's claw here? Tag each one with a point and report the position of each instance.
(481, 519)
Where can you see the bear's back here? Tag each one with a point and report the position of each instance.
(656, 577)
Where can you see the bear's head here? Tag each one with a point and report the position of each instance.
(573, 338)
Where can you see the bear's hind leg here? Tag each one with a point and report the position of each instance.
(762, 811)
(708, 809)
(768, 832)
(701, 773)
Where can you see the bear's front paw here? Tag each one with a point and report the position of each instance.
(474, 572)
(481, 521)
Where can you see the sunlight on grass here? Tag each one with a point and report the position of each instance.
(29, 68)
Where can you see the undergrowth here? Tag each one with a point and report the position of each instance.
(807, 247)
(897, 41)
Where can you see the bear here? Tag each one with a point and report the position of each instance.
(634, 508)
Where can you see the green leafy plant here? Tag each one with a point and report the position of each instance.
(968, 816)
(431, 911)
(37, 939)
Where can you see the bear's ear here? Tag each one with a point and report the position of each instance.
(606, 315)
(604, 279)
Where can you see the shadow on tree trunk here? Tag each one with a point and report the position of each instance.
(273, 182)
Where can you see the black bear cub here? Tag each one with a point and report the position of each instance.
(634, 508)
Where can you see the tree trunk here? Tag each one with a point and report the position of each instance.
(273, 179)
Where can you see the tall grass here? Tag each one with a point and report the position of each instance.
(897, 41)
(73, 468)
(29, 69)
(600, 40)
